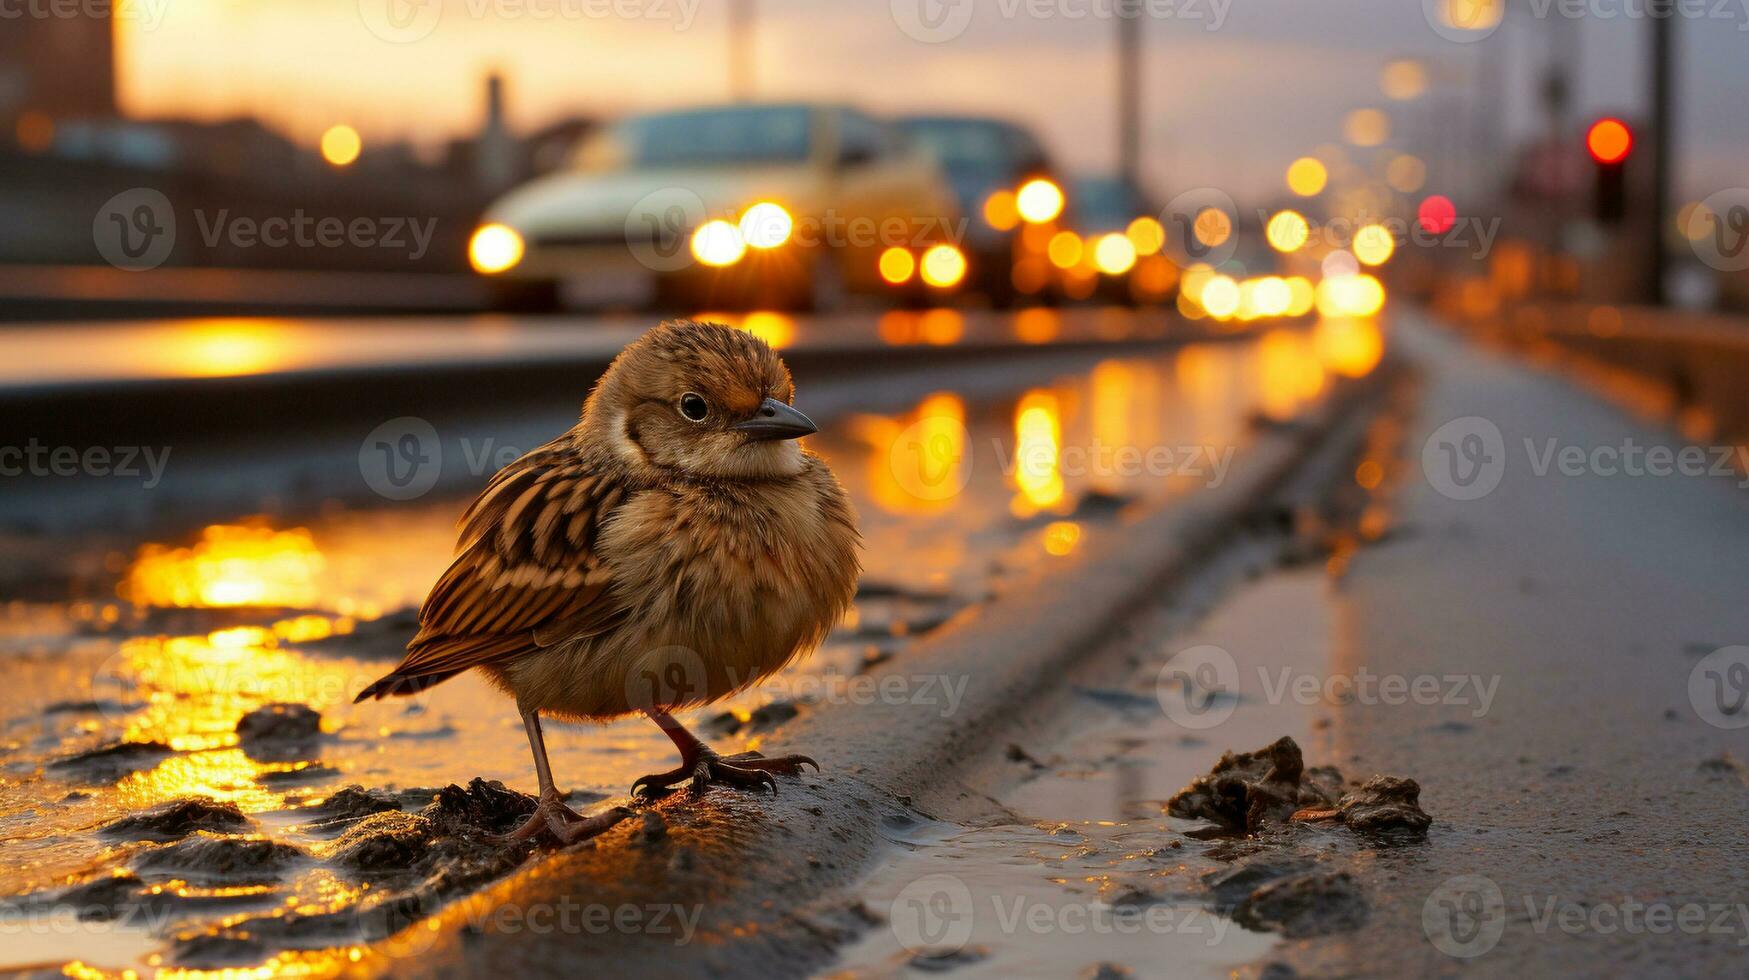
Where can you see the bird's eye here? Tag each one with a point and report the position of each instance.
(693, 407)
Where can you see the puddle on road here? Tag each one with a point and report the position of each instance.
(1105, 877)
(142, 685)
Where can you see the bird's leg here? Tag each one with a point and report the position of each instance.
(550, 813)
(703, 766)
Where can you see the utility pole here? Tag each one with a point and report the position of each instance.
(1663, 120)
(740, 50)
(1129, 89)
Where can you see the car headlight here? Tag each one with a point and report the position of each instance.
(765, 225)
(897, 266)
(718, 243)
(943, 266)
(494, 248)
(1039, 200)
(1001, 210)
(1114, 254)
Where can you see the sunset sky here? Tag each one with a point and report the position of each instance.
(1226, 107)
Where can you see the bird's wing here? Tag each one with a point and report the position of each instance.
(527, 574)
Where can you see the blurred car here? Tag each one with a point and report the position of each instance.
(1005, 183)
(762, 205)
(1120, 237)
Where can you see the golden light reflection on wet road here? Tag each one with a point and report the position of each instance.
(229, 566)
(1038, 436)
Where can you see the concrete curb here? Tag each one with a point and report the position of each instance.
(762, 875)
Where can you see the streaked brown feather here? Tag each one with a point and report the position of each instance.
(516, 584)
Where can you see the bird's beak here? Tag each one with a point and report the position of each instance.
(775, 420)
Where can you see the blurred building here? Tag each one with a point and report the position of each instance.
(56, 67)
(496, 164)
(495, 159)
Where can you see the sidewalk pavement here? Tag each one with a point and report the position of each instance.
(1589, 821)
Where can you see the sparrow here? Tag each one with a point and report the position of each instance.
(673, 547)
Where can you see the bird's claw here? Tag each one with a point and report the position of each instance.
(748, 770)
(567, 826)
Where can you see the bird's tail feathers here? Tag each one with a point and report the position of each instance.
(402, 685)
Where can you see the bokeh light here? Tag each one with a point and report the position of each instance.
(1366, 127)
(494, 248)
(1147, 234)
(1212, 227)
(341, 145)
(1220, 297)
(1307, 176)
(1114, 254)
(1287, 231)
(1436, 214)
(1405, 173)
(765, 225)
(943, 266)
(1471, 15)
(897, 265)
(1403, 80)
(1358, 295)
(1000, 211)
(1272, 296)
(1065, 250)
(1609, 140)
(718, 243)
(1341, 262)
(1039, 201)
(1302, 295)
(1374, 244)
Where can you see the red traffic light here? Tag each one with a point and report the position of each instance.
(1609, 140)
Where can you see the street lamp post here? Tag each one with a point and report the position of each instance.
(740, 50)
(1129, 89)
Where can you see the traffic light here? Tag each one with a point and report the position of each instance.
(1609, 141)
